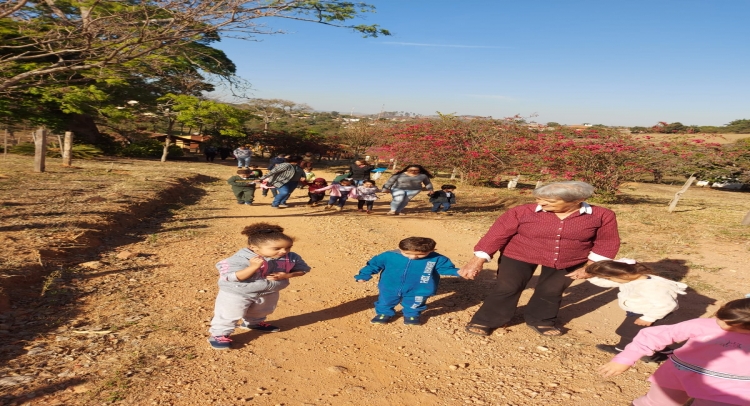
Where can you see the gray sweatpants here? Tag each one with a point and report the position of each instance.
(230, 308)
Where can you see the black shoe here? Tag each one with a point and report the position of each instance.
(611, 349)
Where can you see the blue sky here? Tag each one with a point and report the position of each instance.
(601, 62)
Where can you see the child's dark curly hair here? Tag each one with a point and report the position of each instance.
(261, 233)
(421, 244)
(614, 269)
(736, 313)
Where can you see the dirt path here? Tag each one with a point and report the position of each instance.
(140, 337)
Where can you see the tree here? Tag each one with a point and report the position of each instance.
(58, 41)
(271, 109)
(739, 126)
(360, 135)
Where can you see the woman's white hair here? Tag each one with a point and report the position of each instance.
(567, 191)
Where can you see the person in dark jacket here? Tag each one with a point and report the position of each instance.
(280, 159)
(224, 152)
(444, 199)
(243, 186)
(360, 171)
(409, 275)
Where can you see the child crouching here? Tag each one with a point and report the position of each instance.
(646, 298)
(409, 276)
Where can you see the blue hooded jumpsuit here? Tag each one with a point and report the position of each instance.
(406, 281)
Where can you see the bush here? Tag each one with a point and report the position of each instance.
(149, 149)
(79, 151)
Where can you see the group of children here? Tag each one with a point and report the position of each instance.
(707, 364)
(340, 190)
(710, 366)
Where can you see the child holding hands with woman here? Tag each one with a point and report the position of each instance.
(712, 366)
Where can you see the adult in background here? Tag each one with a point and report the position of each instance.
(307, 161)
(243, 155)
(224, 152)
(560, 232)
(285, 177)
(360, 171)
(279, 159)
(210, 152)
(405, 184)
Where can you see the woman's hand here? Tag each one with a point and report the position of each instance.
(642, 322)
(472, 268)
(612, 369)
(580, 273)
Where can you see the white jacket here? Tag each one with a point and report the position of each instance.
(654, 297)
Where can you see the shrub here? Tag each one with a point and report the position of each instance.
(149, 149)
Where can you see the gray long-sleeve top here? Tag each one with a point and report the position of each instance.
(406, 182)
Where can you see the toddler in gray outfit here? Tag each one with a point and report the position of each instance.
(250, 281)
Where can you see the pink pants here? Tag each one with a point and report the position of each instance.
(659, 396)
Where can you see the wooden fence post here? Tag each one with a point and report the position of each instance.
(678, 195)
(67, 148)
(746, 220)
(40, 149)
(514, 182)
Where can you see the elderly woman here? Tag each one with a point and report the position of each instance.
(560, 232)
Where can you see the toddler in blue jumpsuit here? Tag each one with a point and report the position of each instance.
(408, 275)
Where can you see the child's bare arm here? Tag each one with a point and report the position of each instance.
(255, 264)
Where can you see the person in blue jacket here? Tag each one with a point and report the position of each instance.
(409, 276)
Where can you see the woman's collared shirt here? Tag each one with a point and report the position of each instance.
(527, 233)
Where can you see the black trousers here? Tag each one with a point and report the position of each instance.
(361, 204)
(628, 329)
(512, 277)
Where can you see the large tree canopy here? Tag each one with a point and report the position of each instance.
(45, 42)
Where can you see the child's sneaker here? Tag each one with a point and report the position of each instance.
(412, 321)
(380, 319)
(328, 207)
(240, 202)
(249, 203)
(220, 342)
(369, 211)
(262, 326)
(283, 206)
(338, 208)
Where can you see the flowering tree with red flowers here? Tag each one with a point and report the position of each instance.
(477, 149)
(482, 149)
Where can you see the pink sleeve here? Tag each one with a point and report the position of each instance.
(652, 339)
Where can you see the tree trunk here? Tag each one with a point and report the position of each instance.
(167, 140)
(746, 220)
(678, 195)
(5, 144)
(40, 150)
(67, 149)
(453, 173)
